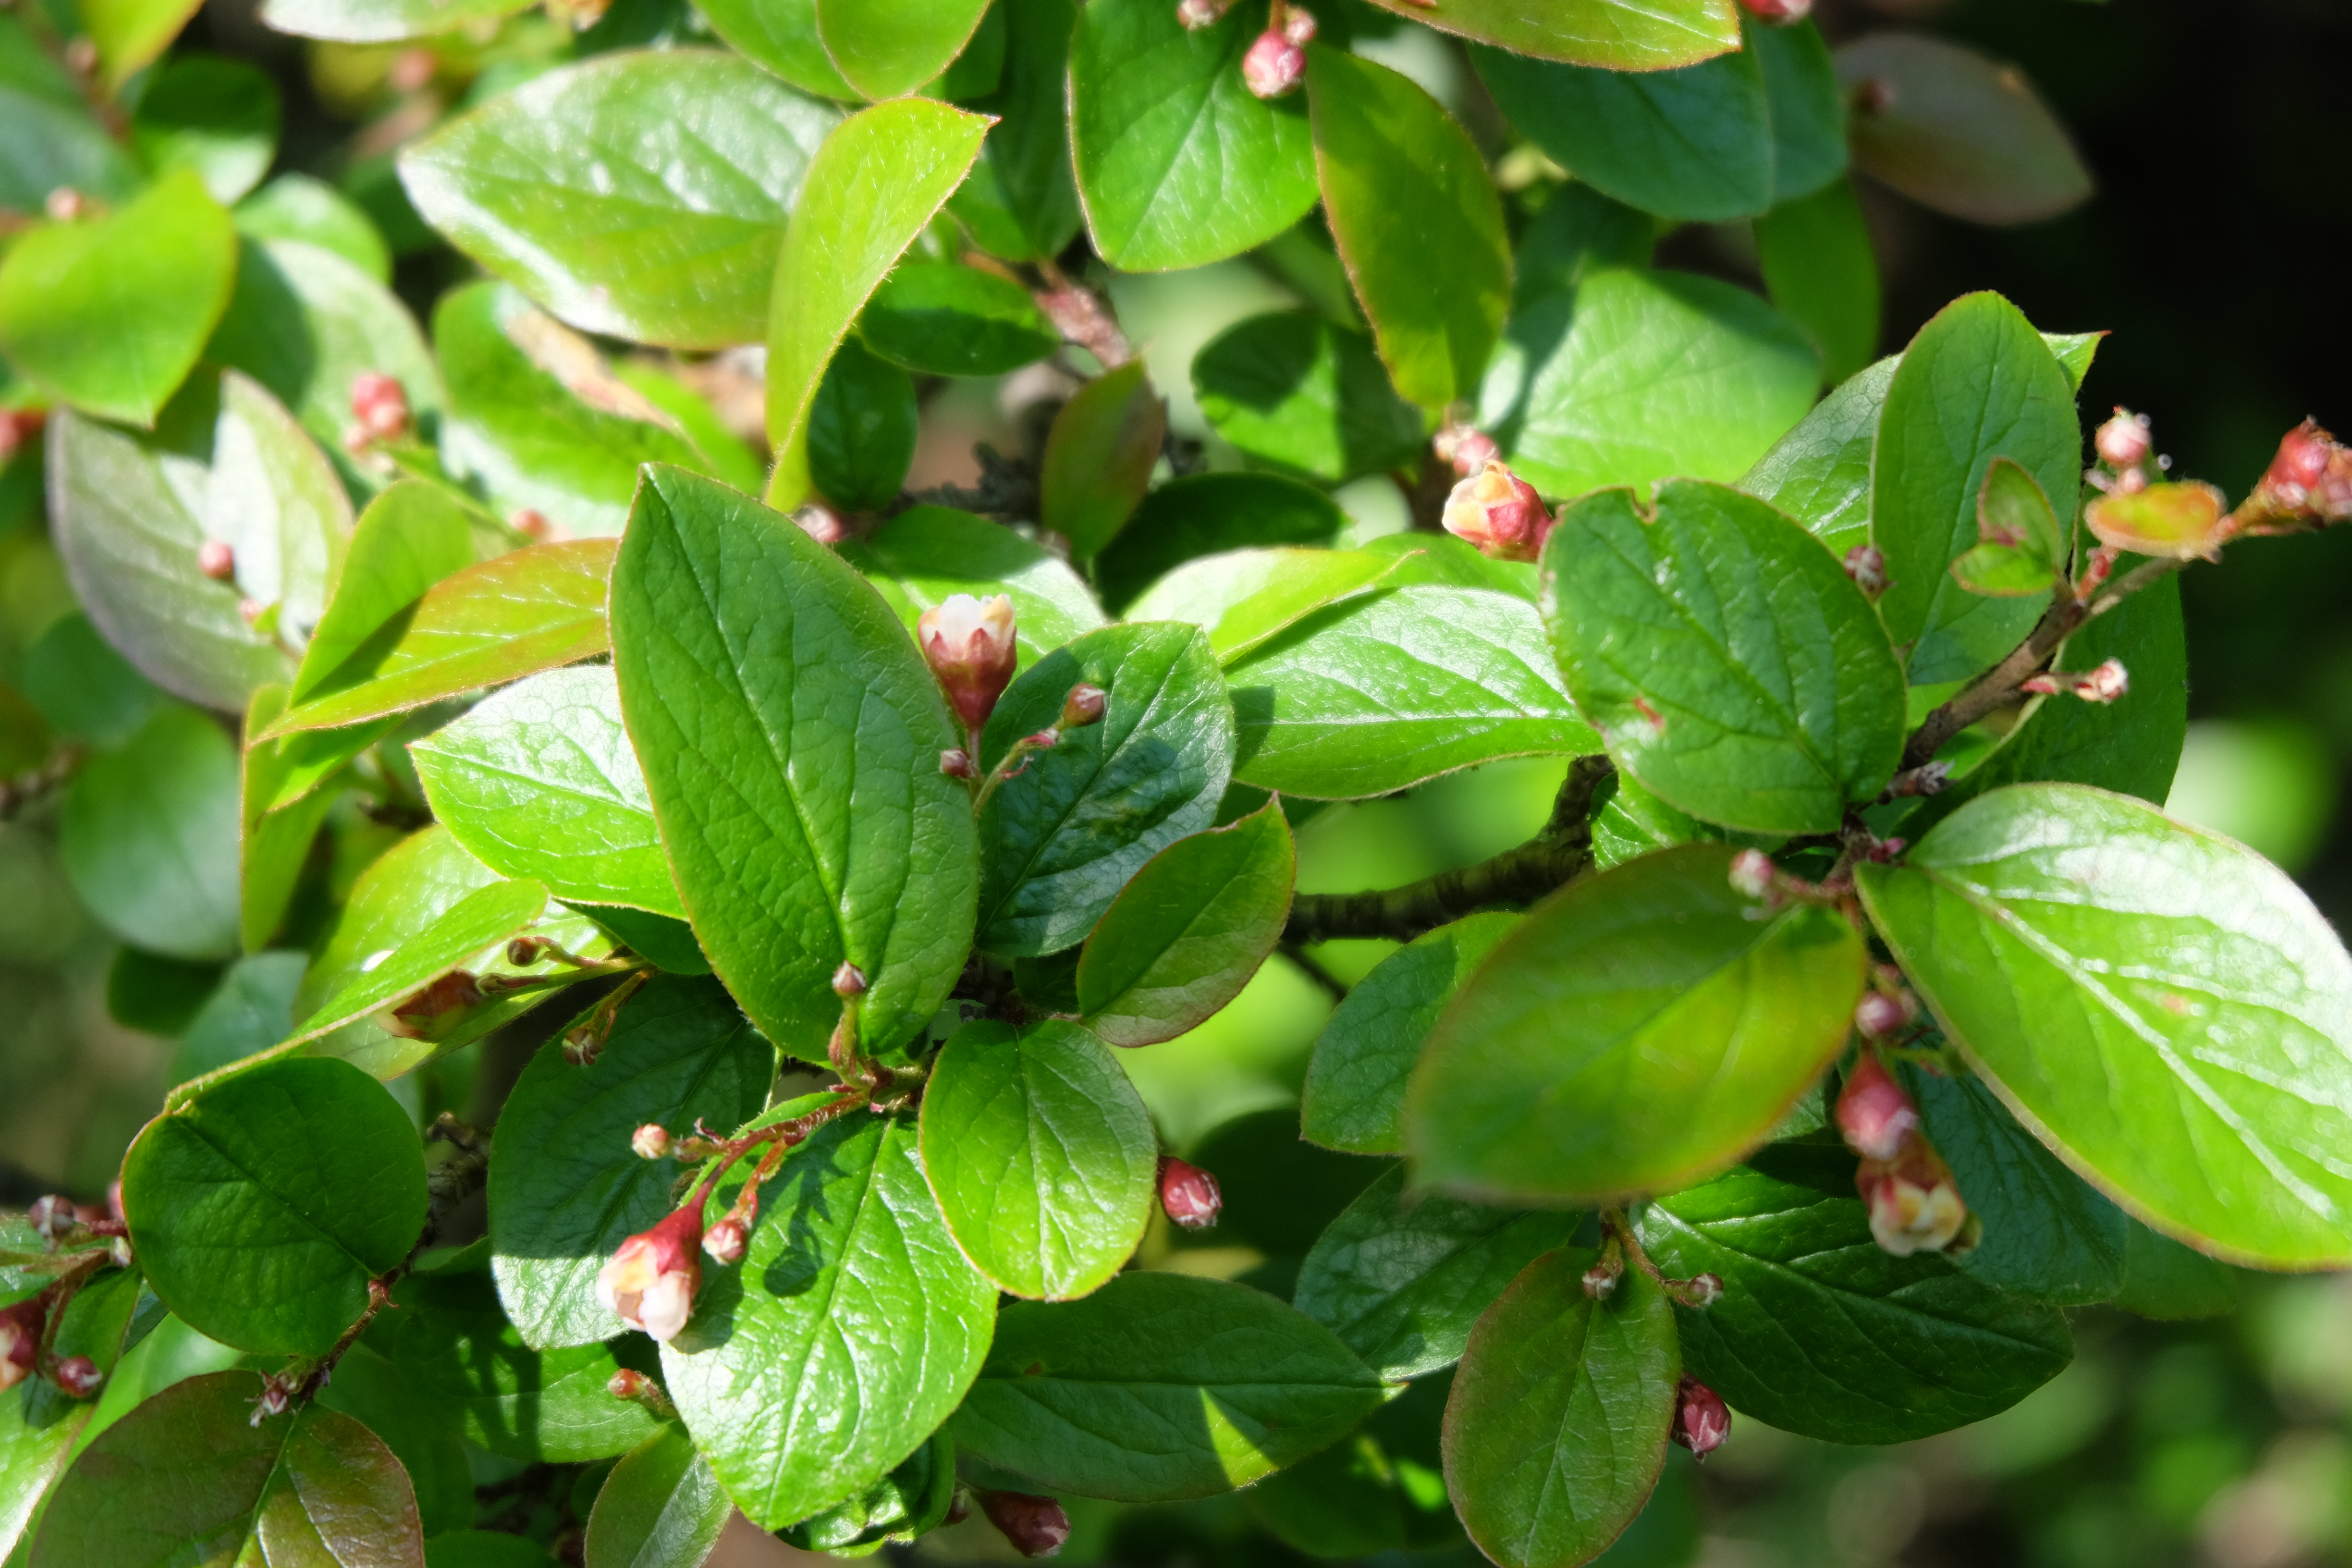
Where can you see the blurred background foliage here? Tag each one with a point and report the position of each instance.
(2215, 252)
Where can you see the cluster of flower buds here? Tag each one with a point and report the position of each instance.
(2101, 685)
(1499, 512)
(2308, 483)
(379, 411)
(430, 1012)
(1702, 1421)
(649, 1282)
(1036, 1526)
(1276, 62)
(1914, 1204)
(1188, 1194)
(969, 646)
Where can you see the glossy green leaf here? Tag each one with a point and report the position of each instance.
(850, 1297)
(1158, 1388)
(534, 418)
(288, 789)
(1818, 266)
(1401, 1276)
(913, 1499)
(82, 688)
(410, 538)
(276, 502)
(782, 36)
(1041, 1154)
(1354, 1099)
(565, 1186)
(1059, 841)
(1727, 658)
(2005, 572)
(642, 196)
(1376, 1491)
(54, 138)
(661, 1507)
(1301, 394)
(253, 1007)
(261, 1209)
(148, 836)
(1556, 1430)
(1638, 1029)
(1957, 132)
(1577, 233)
(1249, 595)
(468, 1364)
(927, 552)
(373, 1390)
(302, 208)
(1099, 455)
(1178, 163)
(2090, 954)
(667, 945)
(379, 21)
(1020, 200)
(215, 116)
(1819, 1331)
(945, 319)
(1379, 693)
(1635, 376)
(109, 314)
(862, 429)
(539, 781)
(130, 34)
(1189, 931)
(790, 735)
(2169, 1282)
(1621, 35)
(1818, 473)
(1977, 383)
(189, 1477)
(887, 48)
(879, 178)
(1208, 514)
(1395, 169)
(482, 919)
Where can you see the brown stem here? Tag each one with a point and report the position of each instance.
(1425, 492)
(1082, 315)
(1307, 966)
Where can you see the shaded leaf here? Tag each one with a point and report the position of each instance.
(945, 319)
(148, 836)
(1957, 132)
(862, 429)
(1302, 394)
(1208, 514)
(1099, 455)
(925, 553)
(472, 1371)
(661, 1504)
(1818, 266)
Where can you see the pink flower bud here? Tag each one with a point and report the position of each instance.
(1701, 1291)
(649, 1281)
(1914, 1205)
(969, 646)
(1298, 26)
(525, 950)
(19, 427)
(430, 1012)
(1198, 13)
(1702, 1421)
(849, 981)
(1189, 1194)
(1601, 1279)
(64, 204)
(650, 1142)
(1875, 1116)
(957, 764)
(819, 523)
(217, 560)
(1753, 874)
(1036, 1526)
(627, 1383)
(20, 1342)
(1878, 1014)
(1083, 706)
(2101, 685)
(79, 1376)
(52, 1216)
(532, 523)
(725, 1241)
(1866, 564)
(2310, 479)
(1274, 64)
(1499, 512)
(1469, 451)
(276, 1395)
(379, 405)
(2122, 441)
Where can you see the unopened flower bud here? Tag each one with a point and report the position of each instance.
(1914, 1204)
(650, 1280)
(1084, 706)
(2103, 685)
(1189, 1194)
(957, 764)
(277, 1395)
(1702, 1421)
(2309, 480)
(849, 981)
(1298, 26)
(1499, 512)
(969, 646)
(79, 1376)
(1753, 874)
(1469, 451)
(64, 204)
(429, 1013)
(2123, 442)
(532, 523)
(217, 560)
(1198, 13)
(1700, 1290)
(627, 1383)
(412, 71)
(725, 1241)
(20, 1342)
(1875, 1115)
(52, 1215)
(379, 405)
(1878, 1014)
(1602, 1278)
(1866, 564)
(1036, 1526)
(819, 523)
(525, 950)
(1274, 64)
(1778, 11)
(650, 1142)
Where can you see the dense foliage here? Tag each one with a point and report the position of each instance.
(582, 686)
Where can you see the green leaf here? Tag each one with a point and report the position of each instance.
(1727, 658)
(1806, 105)
(1957, 132)
(782, 36)
(913, 1499)
(370, 1389)
(1376, 694)
(379, 21)
(109, 314)
(410, 538)
(1577, 233)
(1395, 171)
(275, 502)
(945, 319)
(566, 1189)
(159, 996)
(1818, 473)
(1178, 163)
(887, 48)
(2167, 1281)
(1633, 376)
(1377, 1492)
(1354, 1099)
(1556, 1430)
(84, 688)
(468, 1364)
(1245, 598)
(2076, 351)
(668, 945)
(1818, 266)
(638, 195)
(54, 138)
(1281, 1192)
(2005, 572)
(40, 1425)
(1977, 383)
(1208, 514)
(1021, 201)
(660, 1504)
(1187, 934)
(1620, 35)
(1301, 394)
(1041, 1154)
(2012, 509)
(1059, 841)
(2048, 1236)
(485, 1549)
(539, 781)
(314, 212)
(497, 621)
(130, 34)
(215, 116)
(927, 552)
(1400, 1275)
(534, 420)
(850, 1297)
(862, 429)
(191, 1477)
(1099, 455)
(790, 736)
(1158, 1388)
(261, 1209)
(2091, 955)
(148, 836)
(874, 184)
(1640, 1029)
(482, 919)
(1819, 1331)
(253, 1007)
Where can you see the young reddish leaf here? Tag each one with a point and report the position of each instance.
(2175, 520)
(1957, 132)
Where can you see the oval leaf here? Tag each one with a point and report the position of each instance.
(1207, 514)
(661, 1504)
(885, 47)
(927, 552)
(1956, 131)
(1099, 455)
(1621, 35)
(149, 838)
(1298, 391)
(943, 319)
